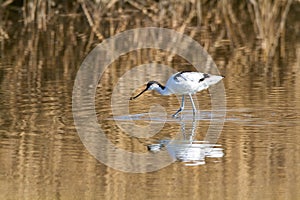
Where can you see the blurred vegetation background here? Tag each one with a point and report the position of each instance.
(258, 30)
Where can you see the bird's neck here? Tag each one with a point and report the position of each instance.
(162, 90)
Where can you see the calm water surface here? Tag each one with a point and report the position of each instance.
(42, 156)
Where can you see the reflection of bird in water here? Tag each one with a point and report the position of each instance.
(184, 148)
(183, 83)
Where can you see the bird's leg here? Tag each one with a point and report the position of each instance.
(181, 107)
(193, 104)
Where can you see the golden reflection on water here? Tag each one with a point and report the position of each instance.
(42, 156)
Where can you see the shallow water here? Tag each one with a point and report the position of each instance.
(43, 157)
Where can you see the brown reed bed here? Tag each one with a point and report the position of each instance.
(224, 25)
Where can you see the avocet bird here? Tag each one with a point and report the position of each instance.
(183, 83)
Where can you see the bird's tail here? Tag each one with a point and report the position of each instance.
(213, 79)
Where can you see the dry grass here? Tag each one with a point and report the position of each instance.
(225, 24)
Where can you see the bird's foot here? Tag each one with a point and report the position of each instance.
(175, 115)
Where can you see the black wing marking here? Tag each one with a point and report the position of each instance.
(204, 77)
(179, 75)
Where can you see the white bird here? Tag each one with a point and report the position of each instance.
(183, 83)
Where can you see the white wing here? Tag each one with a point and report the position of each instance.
(190, 76)
(191, 82)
